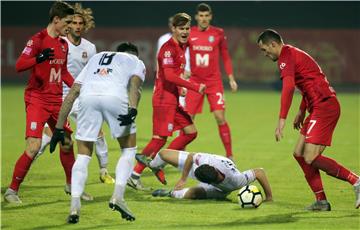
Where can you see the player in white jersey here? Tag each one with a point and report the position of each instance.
(218, 175)
(80, 51)
(109, 89)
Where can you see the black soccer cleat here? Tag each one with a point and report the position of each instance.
(73, 218)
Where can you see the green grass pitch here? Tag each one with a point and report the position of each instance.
(252, 116)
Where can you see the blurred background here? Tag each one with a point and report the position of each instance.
(329, 31)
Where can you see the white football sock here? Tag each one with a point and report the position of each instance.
(75, 204)
(79, 175)
(101, 150)
(179, 194)
(157, 162)
(123, 171)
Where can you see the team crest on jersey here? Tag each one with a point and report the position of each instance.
(33, 125)
(63, 49)
(84, 55)
(30, 43)
(211, 38)
(170, 127)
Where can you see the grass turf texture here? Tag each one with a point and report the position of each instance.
(252, 116)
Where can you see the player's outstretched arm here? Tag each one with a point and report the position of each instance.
(264, 182)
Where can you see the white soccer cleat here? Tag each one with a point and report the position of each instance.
(357, 193)
(121, 207)
(84, 196)
(137, 185)
(12, 197)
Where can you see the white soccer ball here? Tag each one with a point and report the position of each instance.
(249, 197)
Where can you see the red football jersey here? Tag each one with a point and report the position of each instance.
(45, 83)
(205, 49)
(306, 74)
(170, 65)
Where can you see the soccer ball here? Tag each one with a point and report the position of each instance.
(249, 197)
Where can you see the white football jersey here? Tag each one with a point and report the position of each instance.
(78, 56)
(108, 73)
(234, 179)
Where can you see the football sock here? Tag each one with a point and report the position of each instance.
(151, 149)
(313, 178)
(79, 175)
(45, 140)
(157, 162)
(67, 160)
(75, 204)
(180, 142)
(332, 168)
(179, 194)
(22, 166)
(225, 135)
(123, 170)
(101, 151)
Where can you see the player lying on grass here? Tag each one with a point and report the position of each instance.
(218, 175)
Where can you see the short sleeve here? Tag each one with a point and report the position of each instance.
(140, 70)
(286, 63)
(167, 57)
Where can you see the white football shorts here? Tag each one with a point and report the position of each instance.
(93, 110)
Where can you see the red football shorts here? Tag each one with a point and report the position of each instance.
(320, 124)
(37, 115)
(167, 119)
(215, 96)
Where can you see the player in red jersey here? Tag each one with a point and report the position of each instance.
(46, 55)
(206, 44)
(299, 69)
(168, 116)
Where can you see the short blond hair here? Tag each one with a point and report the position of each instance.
(86, 14)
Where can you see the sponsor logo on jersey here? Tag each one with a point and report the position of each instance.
(84, 55)
(57, 61)
(282, 65)
(168, 61)
(170, 127)
(211, 38)
(33, 125)
(103, 71)
(27, 50)
(202, 48)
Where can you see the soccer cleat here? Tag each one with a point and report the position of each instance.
(11, 196)
(161, 193)
(74, 217)
(159, 173)
(107, 179)
(319, 205)
(120, 206)
(137, 185)
(84, 196)
(357, 193)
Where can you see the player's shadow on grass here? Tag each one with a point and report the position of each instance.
(6, 206)
(101, 226)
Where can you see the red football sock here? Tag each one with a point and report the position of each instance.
(22, 166)
(180, 142)
(332, 168)
(313, 178)
(225, 135)
(151, 149)
(67, 160)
